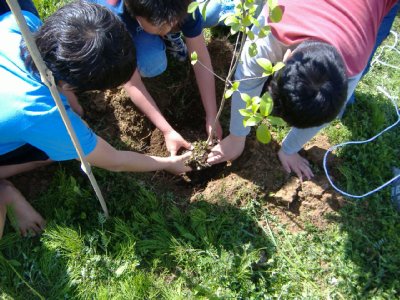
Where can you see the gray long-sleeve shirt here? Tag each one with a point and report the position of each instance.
(249, 73)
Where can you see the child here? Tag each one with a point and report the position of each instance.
(154, 24)
(87, 48)
(327, 46)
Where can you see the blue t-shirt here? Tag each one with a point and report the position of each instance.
(190, 27)
(28, 113)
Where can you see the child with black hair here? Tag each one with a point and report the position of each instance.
(86, 47)
(155, 25)
(326, 46)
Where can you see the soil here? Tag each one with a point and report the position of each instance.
(256, 174)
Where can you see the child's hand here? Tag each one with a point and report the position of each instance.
(229, 148)
(177, 165)
(295, 163)
(174, 141)
(218, 128)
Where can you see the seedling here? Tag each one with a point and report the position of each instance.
(258, 109)
(198, 159)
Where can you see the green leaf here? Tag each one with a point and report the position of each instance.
(251, 35)
(276, 121)
(278, 66)
(228, 93)
(272, 4)
(266, 105)
(245, 121)
(235, 28)
(192, 7)
(252, 121)
(252, 11)
(246, 21)
(263, 134)
(193, 58)
(245, 97)
(264, 31)
(276, 14)
(231, 20)
(254, 21)
(235, 86)
(255, 100)
(253, 50)
(249, 4)
(265, 64)
(255, 107)
(245, 112)
(203, 11)
(266, 74)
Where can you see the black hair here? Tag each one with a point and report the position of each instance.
(312, 87)
(158, 12)
(86, 46)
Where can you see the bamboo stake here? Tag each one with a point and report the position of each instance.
(48, 79)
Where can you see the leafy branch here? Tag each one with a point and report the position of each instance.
(258, 108)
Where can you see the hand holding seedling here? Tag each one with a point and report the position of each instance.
(174, 141)
(218, 129)
(229, 148)
(178, 165)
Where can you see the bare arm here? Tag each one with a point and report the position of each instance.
(143, 100)
(107, 157)
(205, 79)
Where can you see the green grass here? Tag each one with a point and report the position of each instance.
(47, 7)
(156, 246)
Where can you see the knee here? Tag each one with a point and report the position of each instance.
(153, 69)
(153, 61)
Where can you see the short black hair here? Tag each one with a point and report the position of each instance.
(312, 87)
(85, 45)
(158, 12)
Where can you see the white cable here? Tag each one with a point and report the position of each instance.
(375, 60)
(363, 142)
(391, 48)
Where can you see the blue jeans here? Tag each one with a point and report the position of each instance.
(150, 49)
(26, 5)
(218, 8)
(150, 53)
(383, 32)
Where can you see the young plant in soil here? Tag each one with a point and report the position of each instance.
(198, 158)
(258, 108)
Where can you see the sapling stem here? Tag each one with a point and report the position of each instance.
(209, 70)
(228, 83)
(234, 62)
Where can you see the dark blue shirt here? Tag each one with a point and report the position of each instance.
(190, 27)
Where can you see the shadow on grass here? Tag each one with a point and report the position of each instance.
(371, 225)
(149, 248)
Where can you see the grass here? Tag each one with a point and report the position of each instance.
(156, 246)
